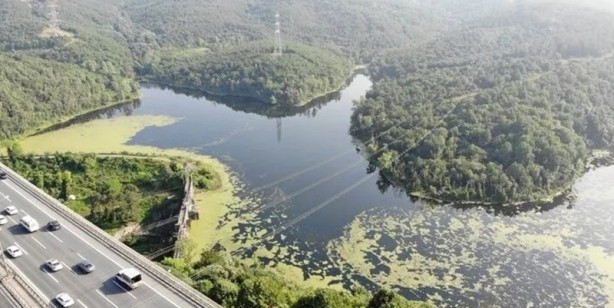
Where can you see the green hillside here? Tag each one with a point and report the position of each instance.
(300, 75)
(503, 110)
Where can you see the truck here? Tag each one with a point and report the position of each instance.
(29, 223)
(130, 277)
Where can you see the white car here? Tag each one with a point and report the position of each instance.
(14, 251)
(54, 265)
(3, 220)
(11, 210)
(64, 299)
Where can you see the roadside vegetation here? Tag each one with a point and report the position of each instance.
(233, 284)
(110, 191)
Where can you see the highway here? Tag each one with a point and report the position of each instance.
(70, 245)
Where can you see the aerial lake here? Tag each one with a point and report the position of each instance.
(313, 207)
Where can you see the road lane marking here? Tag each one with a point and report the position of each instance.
(68, 267)
(161, 295)
(120, 286)
(22, 275)
(82, 304)
(25, 212)
(5, 197)
(108, 300)
(57, 238)
(80, 256)
(86, 242)
(24, 251)
(69, 229)
(38, 242)
(9, 217)
(45, 270)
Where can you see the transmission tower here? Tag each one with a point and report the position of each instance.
(278, 49)
(54, 22)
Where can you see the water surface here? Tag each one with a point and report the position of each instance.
(318, 206)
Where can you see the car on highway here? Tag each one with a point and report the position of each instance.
(3, 220)
(29, 223)
(14, 251)
(11, 210)
(130, 277)
(64, 300)
(86, 266)
(54, 265)
(54, 225)
(3, 175)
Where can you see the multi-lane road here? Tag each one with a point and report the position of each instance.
(71, 245)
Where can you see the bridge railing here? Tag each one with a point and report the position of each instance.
(183, 223)
(164, 278)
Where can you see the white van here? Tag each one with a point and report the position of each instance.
(29, 223)
(130, 277)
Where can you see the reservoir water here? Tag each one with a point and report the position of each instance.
(315, 205)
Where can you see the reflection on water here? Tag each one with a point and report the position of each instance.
(312, 202)
(250, 105)
(125, 109)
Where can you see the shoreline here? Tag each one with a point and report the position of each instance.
(108, 137)
(41, 129)
(310, 100)
(563, 192)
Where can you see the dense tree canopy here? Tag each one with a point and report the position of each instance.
(503, 110)
(359, 29)
(34, 90)
(300, 75)
(47, 76)
(109, 191)
(234, 284)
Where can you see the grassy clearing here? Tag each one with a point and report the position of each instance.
(111, 135)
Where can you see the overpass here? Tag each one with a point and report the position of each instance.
(79, 240)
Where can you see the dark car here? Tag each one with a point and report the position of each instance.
(54, 225)
(3, 175)
(86, 266)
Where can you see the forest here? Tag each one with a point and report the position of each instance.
(231, 283)
(302, 74)
(106, 46)
(489, 101)
(47, 78)
(505, 110)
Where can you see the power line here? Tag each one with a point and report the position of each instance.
(310, 212)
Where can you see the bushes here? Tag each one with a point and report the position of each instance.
(109, 191)
(217, 275)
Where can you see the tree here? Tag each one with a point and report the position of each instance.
(387, 299)
(14, 150)
(224, 292)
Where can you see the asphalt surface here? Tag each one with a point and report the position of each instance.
(6, 300)
(70, 246)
